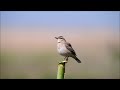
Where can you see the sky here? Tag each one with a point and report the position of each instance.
(60, 19)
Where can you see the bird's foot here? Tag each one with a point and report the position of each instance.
(65, 61)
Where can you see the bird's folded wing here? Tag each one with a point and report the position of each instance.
(69, 47)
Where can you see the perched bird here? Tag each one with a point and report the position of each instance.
(65, 49)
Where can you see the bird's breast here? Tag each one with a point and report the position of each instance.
(62, 50)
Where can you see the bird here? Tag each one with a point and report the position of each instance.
(65, 49)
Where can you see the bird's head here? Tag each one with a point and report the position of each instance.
(60, 39)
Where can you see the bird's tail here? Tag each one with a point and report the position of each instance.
(77, 59)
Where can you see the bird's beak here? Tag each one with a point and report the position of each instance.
(56, 37)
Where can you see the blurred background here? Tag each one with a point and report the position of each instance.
(29, 49)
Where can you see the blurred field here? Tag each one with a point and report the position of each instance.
(33, 54)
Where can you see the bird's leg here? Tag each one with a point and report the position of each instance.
(65, 59)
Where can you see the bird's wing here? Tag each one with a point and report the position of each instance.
(69, 47)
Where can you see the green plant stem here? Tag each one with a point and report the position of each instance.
(61, 70)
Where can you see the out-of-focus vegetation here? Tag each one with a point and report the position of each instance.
(32, 65)
(39, 58)
(115, 52)
(43, 65)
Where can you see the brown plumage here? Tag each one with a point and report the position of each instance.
(65, 49)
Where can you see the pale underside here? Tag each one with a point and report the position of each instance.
(62, 50)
